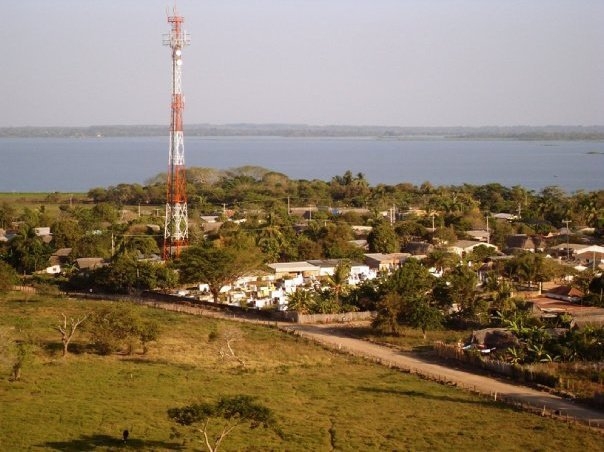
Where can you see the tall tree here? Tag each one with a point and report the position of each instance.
(339, 280)
(382, 238)
(217, 266)
(407, 300)
(27, 252)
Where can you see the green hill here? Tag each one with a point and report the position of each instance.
(322, 400)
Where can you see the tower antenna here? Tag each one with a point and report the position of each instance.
(176, 229)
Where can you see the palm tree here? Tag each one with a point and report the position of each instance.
(339, 280)
(302, 300)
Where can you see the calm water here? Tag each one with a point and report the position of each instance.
(72, 164)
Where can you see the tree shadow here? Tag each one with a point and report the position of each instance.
(425, 395)
(75, 348)
(91, 442)
(141, 360)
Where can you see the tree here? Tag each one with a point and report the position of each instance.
(66, 233)
(67, 332)
(148, 331)
(23, 356)
(339, 280)
(28, 252)
(7, 214)
(442, 260)
(407, 300)
(126, 274)
(463, 283)
(595, 295)
(532, 267)
(235, 411)
(480, 253)
(389, 308)
(424, 316)
(117, 326)
(302, 301)
(382, 238)
(217, 266)
(8, 277)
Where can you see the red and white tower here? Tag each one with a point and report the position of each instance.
(176, 230)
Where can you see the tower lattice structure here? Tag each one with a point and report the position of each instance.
(176, 230)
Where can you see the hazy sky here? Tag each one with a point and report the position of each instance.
(358, 62)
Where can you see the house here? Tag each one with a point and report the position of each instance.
(361, 230)
(60, 256)
(505, 216)
(327, 267)
(52, 270)
(89, 263)
(385, 262)
(153, 228)
(564, 293)
(418, 248)
(593, 255)
(361, 243)
(521, 242)
(568, 249)
(583, 316)
(285, 269)
(42, 231)
(479, 234)
(413, 212)
(463, 247)
(210, 223)
(8, 234)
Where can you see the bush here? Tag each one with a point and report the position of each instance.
(119, 326)
(8, 277)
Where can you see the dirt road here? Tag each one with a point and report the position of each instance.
(542, 402)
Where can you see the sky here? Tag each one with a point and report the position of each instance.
(318, 62)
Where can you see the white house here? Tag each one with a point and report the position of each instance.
(283, 269)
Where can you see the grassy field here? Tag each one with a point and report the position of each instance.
(322, 400)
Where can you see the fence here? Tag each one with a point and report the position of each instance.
(525, 374)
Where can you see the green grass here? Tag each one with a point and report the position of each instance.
(322, 400)
(409, 339)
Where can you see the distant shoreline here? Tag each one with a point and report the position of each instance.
(544, 133)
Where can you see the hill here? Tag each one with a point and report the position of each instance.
(322, 400)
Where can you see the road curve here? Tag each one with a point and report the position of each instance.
(543, 402)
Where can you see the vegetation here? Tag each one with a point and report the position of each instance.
(117, 327)
(8, 277)
(218, 264)
(322, 399)
(264, 216)
(234, 410)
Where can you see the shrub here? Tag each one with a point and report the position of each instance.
(118, 326)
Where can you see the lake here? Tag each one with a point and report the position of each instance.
(78, 164)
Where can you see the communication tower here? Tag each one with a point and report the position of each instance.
(176, 230)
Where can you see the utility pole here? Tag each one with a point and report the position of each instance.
(488, 233)
(176, 229)
(567, 222)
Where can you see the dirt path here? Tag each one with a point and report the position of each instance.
(542, 402)
(334, 337)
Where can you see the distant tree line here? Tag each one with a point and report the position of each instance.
(305, 130)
